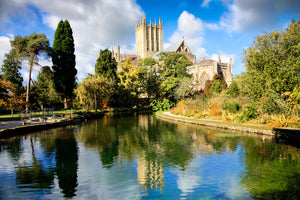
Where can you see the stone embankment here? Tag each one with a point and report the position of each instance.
(14, 128)
(277, 132)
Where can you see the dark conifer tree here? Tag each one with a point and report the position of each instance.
(63, 59)
(106, 65)
(10, 69)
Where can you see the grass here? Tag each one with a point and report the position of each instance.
(17, 116)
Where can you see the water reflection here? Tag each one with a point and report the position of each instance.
(139, 157)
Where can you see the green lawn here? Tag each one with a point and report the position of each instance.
(17, 116)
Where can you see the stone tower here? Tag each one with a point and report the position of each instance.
(148, 38)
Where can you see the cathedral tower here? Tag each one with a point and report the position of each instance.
(148, 38)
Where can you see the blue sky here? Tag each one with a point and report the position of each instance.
(209, 27)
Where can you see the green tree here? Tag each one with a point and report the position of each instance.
(106, 65)
(29, 47)
(233, 90)
(173, 70)
(186, 88)
(93, 92)
(10, 69)
(273, 62)
(46, 93)
(148, 76)
(63, 59)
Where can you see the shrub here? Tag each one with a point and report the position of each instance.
(161, 105)
(232, 107)
(233, 90)
(216, 87)
(249, 112)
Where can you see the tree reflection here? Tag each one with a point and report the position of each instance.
(153, 143)
(34, 175)
(273, 170)
(66, 161)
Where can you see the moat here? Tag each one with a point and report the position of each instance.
(141, 157)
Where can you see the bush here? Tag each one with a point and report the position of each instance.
(232, 107)
(233, 90)
(249, 112)
(216, 87)
(161, 105)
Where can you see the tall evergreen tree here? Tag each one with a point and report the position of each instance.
(63, 59)
(106, 65)
(10, 69)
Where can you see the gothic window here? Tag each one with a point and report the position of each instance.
(203, 78)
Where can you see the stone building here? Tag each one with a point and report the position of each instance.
(148, 38)
(182, 47)
(149, 43)
(205, 70)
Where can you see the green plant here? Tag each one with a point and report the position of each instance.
(161, 105)
(232, 107)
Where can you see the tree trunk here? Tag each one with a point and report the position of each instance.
(65, 103)
(12, 113)
(31, 59)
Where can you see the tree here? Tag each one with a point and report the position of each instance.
(93, 92)
(29, 47)
(10, 69)
(148, 76)
(46, 93)
(106, 65)
(9, 97)
(63, 59)
(129, 76)
(173, 70)
(273, 62)
(186, 88)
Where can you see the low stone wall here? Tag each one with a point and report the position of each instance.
(11, 132)
(217, 125)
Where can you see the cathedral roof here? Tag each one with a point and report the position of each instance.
(180, 47)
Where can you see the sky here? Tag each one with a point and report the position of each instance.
(209, 27)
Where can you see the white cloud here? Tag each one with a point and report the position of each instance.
(224, 57)
(96, 24)
(205, 3)
(192, 29)
(4, 46)
(245, 15)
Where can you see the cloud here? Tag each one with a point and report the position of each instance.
(205, 3)
(192, 29)
(224, 57)
(96, 24)
(4, 46)
(247, 15)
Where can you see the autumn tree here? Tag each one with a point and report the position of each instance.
(63, 59)
(9, 97)
(29, 48)
(129, 76)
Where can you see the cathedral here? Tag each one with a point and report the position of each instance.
(149, 43)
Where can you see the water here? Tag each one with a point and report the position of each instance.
(140, 157)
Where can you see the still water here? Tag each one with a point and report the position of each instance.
(141, 157)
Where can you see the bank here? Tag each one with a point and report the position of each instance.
(28, 128)
(279, 133)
